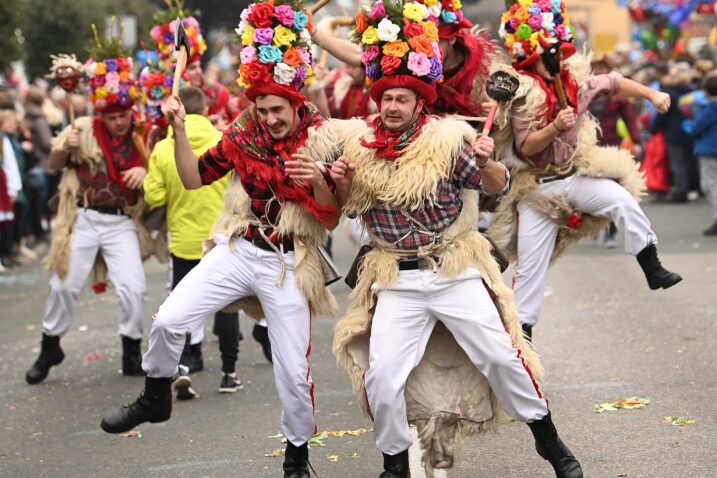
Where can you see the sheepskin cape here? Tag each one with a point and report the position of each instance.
(89, 152)
(324, 146)
(446, 395)
(589, 160)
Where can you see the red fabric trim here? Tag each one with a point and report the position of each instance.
(104, 139)
(446, 31)
(425, 90)
(272, 88)
(115, 108)
(387, 142)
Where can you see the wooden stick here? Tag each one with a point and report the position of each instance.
(72, 109)
(141, 148)
(178, 70)
(319, 6)
(488, 125)
(562, 99)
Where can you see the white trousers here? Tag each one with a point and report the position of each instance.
(537, 233)
(223, 276)
(405, 315)
(116, 237)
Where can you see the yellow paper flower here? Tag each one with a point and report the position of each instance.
(430, 3)
(457, 4)
(310, 77)
(509, 40)
(370, 36)
(100, 68)
(101, 93)
(534, 39)
(133, 93)
(505, 18)
(247, 38)
(283, 36)
(526, 3)
(242, 82)
(396, 48)
(430, 30)
(413, 11)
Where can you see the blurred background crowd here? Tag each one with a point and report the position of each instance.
(669, 44)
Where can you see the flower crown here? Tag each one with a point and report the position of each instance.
(526, 20)
(276, 44)
(399, 38)
(113, 86)
(156, 81)
(447, 12)
(163, 35)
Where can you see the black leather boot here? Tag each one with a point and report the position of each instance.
(153, 405)
(551, 448)
(527, 332)
(132, 357)
(657, 276)
(50, 354)
(296, 461)
(396, 466)
(261, 335)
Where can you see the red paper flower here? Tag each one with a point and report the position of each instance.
(412, 29)
(99, 287)
(123, 64)
(257, 71)
(574, 221)
(390, 64)
(262, 15)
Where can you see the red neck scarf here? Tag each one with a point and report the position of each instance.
(106, 142)
(389, 145)
(257, 155)
(551, 95)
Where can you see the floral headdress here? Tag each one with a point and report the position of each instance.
(156, 86)
(276, 49)
(113, 86)
(165, 25)
(527, 25)
(400, 47)
(448, 15)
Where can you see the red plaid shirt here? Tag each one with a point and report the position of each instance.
(422, 227)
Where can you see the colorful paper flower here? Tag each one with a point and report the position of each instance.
(419, 64)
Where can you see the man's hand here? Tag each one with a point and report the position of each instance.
(565, 120)
(342, 172)
(134, 177)
(73, 140)
(174, 110)
(304, 168)
(661, 101)
(483, 147)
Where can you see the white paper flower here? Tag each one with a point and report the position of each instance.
(241, 28)
(434, 10)
(501, 30)
(112, 87)
(305, 36)
(246, 12)
(387, 30)
(518, 50)
(548, 19)
(284, 74)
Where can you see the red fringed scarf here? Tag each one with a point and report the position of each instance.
(257, 155)
(551, 102)
(389, 145)
(454, 94)
(104, 139)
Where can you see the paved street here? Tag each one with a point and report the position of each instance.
(604, 335)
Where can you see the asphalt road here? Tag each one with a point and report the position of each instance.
(604, 335)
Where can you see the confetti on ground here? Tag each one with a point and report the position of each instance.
(279, 452)
(11, 407)
(506, 420)
(333, 458)
(278, 435)
(93, 357)
(354, 455)
(342, 433)
(630, 403)
(680, 421)
(132, 434)
(320, 439)
(31, 327)
(82, 328)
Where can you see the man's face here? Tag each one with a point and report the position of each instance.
(9, 125)
(277, 114)
(399, 107)
(118, 123)
(195, 74)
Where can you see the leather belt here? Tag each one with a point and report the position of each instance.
(114, 210)
(550, 179)
(415, 263)
(286, 246)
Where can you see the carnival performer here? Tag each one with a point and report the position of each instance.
(565, 187)
(101, 187)
(190, 217)
(218, 95)
(430, 302)
(278, 209)
(467, 52)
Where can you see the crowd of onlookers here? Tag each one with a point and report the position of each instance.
(677, 149)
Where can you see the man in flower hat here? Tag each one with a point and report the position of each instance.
(432, 336)
(264, 250)
(467, 54)
(100, 189)
(565, 186)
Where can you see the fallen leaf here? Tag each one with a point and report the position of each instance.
(506, 420)
(93, 357)
(279, 452)
(333, 458)
(680, 421)
(354, 455)
(630, 403)
(132, 434)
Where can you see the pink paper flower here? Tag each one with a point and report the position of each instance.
(247, 54)
(285, 15)
(370, 54)
(419, 64)
(378, 11)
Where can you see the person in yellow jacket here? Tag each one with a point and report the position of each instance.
(190, 217)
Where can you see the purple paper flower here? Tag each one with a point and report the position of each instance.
(373, 71)
(263, 36)
(169, 38)
(169, 82)
(111, 65)
(124, 99)
(301, 75)
(436, 69)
